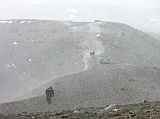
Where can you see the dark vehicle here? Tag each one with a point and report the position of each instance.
(92, 53)
(104, 59)
(49, 94)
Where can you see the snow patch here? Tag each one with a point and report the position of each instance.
(115, 110)
(8, 65)
(76, 111)
(3, 22)
(11, 65)
(98, 35)
(111, 107)
(10, 22)
(15, 43)
(29, 59)
(22, 22)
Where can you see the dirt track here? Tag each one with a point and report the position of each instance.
(144, 110)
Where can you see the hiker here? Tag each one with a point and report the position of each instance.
(49, 94)
(92, 53)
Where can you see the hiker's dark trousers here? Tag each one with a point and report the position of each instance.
(48, 99)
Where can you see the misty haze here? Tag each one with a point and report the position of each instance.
(79, 59)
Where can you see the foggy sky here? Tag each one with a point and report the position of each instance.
(142, 14)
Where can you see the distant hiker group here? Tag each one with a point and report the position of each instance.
(49, 94)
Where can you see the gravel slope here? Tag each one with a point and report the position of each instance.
(105, 84)
(38, 51)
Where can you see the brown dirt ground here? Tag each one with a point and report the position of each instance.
(144, 110)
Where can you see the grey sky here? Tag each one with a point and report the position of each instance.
(142, 14)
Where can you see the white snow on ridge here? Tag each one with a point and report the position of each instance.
(10, 22)
(98, 35)
(3, 22)
(13, 65)
(29, 59)
(26, 22)
(22, 22)
(14, 43)
(10, 65)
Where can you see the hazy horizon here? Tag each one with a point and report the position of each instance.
(141, 14)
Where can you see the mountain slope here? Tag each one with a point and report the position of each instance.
(33, 52)
(155, 35)
(105, 84)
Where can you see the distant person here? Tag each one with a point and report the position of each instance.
(49, 94)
